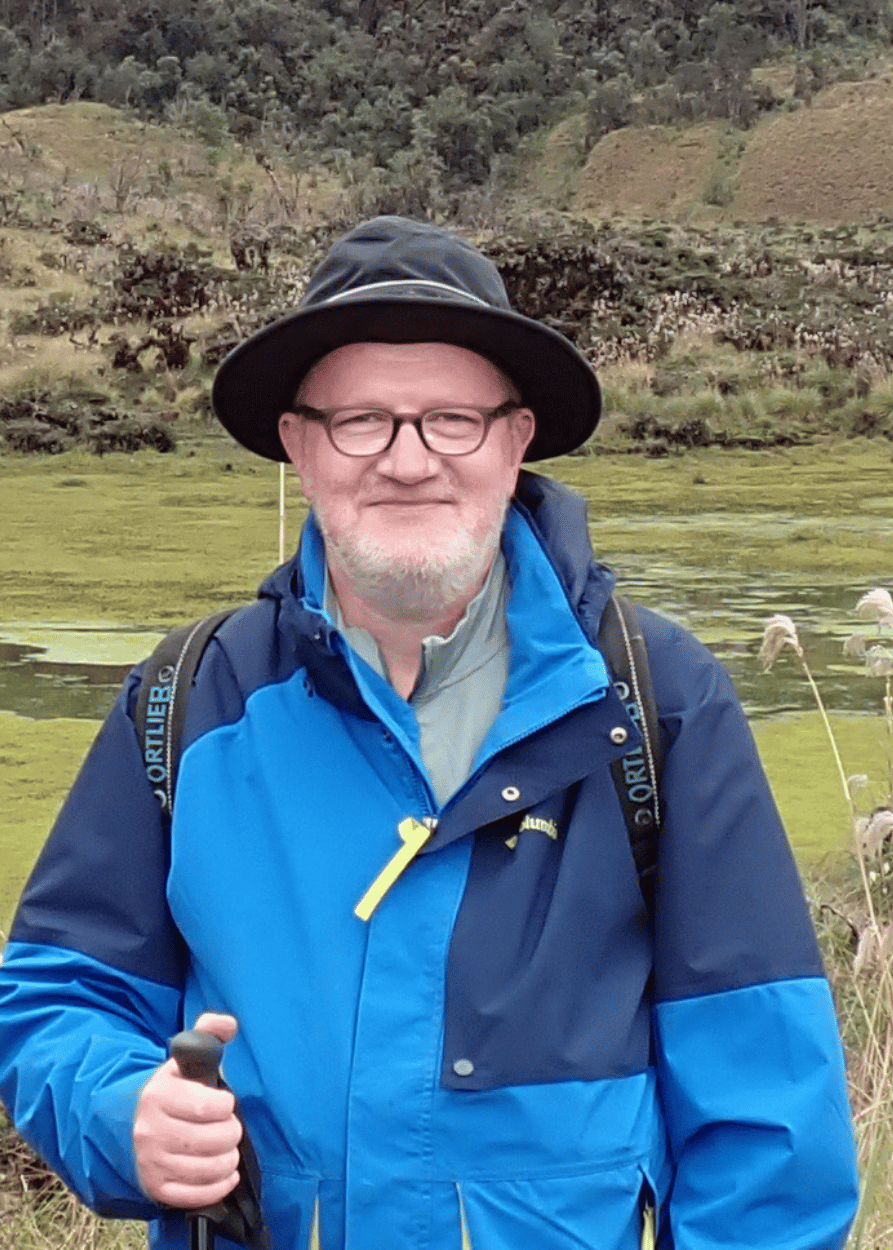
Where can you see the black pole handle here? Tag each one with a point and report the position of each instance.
(197, 1054)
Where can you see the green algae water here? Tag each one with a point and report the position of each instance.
(101, 556)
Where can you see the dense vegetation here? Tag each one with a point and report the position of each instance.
(702, 335)
(426, 92)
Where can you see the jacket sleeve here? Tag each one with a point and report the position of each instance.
(749, 1056)
(90, 983)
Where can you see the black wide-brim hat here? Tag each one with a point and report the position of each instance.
(393, 280)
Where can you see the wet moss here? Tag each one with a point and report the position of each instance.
(149, 539)
(38, 762)
(807, 788)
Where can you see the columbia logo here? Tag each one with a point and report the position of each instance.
(548, 827)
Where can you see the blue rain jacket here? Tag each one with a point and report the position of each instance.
(502, 1057)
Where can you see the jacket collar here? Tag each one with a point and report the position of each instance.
(557, 516)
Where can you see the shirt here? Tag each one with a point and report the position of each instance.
(461, 682)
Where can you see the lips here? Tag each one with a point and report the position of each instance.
(408, 503)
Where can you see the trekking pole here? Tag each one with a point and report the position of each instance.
(281, 513)
(197, 1055)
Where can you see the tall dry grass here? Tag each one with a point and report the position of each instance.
(38, 1213)
(852, 903)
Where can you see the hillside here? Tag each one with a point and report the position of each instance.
(830, 162)
(827, 162)
(91, 160)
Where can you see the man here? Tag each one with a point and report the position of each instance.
(398, 880)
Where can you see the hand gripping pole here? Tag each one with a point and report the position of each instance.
(197, 1055)
(239, 1216)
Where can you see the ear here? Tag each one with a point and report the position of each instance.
(523, 427)
(291, 435)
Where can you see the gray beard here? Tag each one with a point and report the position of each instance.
(421, 585)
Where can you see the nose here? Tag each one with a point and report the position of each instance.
(407, 458)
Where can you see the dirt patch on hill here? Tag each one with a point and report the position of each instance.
(827, 162)
(652, 172)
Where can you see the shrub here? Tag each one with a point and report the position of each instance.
(162, 284)
(53, 421)
(59, 316)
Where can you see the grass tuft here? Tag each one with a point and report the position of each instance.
(37, 1212)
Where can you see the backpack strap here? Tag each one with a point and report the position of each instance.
(637, 775)
(163, 699)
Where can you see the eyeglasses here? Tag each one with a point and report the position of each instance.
(453, 431)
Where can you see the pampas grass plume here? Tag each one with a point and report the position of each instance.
(780, 632)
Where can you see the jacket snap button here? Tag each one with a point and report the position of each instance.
(618, 736)
(511, 794)
(463, 1067)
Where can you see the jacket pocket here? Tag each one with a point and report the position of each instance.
(612, 1209)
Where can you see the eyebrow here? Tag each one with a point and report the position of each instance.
(507, 405)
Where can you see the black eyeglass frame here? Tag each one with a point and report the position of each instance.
(326, 415)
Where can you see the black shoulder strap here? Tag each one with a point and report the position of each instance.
(163, 699)
(637, 775)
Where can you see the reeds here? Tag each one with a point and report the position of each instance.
(853, 909)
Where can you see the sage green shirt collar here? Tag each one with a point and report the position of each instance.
(461, 682)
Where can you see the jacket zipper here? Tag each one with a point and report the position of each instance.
(414, 834)
(648, 1240)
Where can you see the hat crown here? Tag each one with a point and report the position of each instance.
(395, 280)
(394, 258)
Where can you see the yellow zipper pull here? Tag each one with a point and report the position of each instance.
(414, 836)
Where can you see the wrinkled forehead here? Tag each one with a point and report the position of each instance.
(358, 368)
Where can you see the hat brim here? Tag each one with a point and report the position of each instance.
(257, 381)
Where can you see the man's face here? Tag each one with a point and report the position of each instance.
(408, 526)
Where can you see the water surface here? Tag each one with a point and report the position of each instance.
(74, 670)
(71, 671)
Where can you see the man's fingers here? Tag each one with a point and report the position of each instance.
(187, 1181)
(185, 1117)
(223, 1026)
(182, 1135)
(174, 1193)
(185, 1138)
(174, 1095)
(198, 1171)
